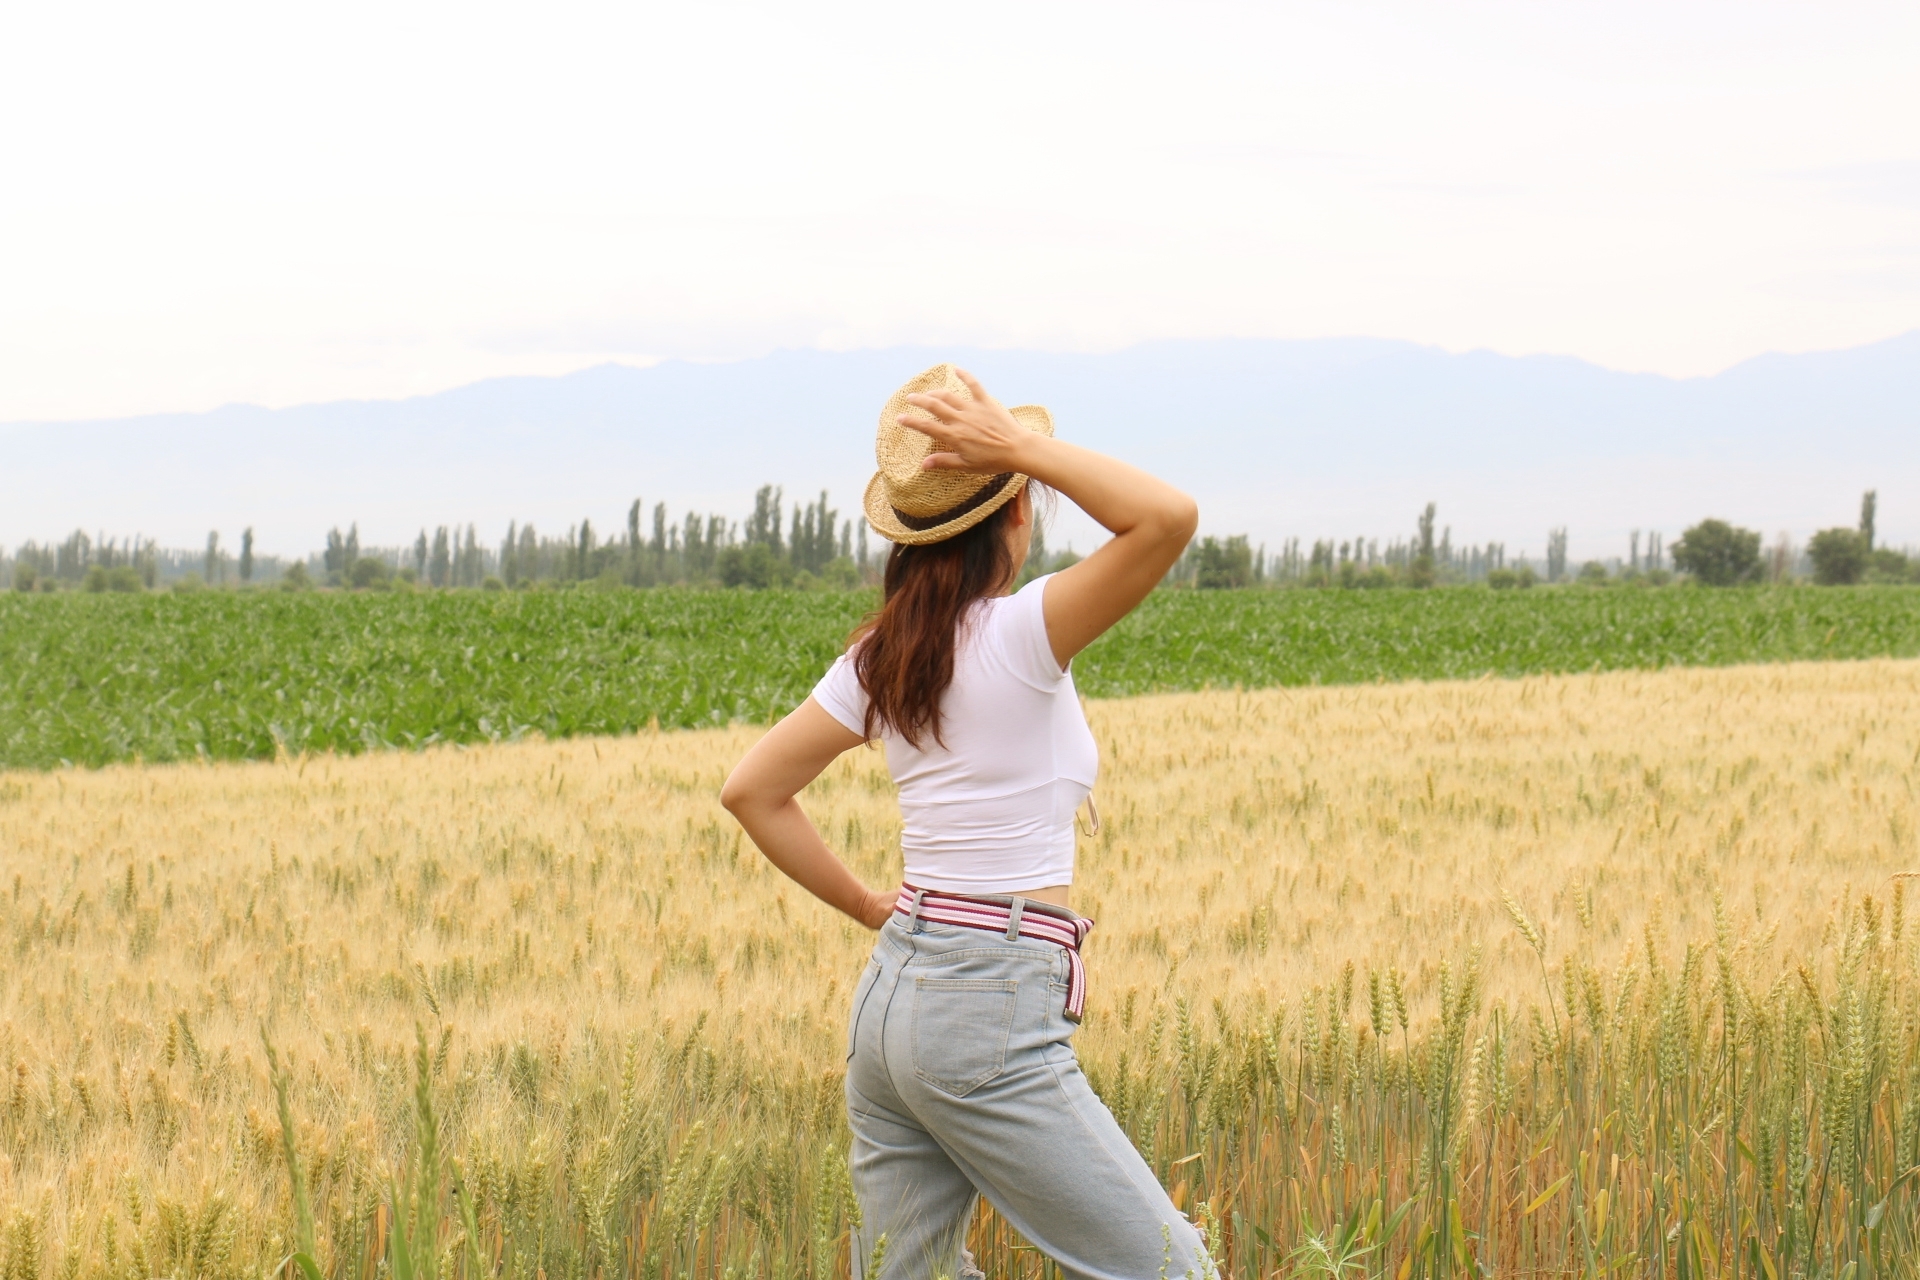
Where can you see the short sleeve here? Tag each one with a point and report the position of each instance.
(839, 692)
(1023, 636)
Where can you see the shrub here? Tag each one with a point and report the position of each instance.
(1593, 573)
(841, 573)
(369, 574)
(755, 566)
(1718, 554)
(1888, 565)
(491, 583)
(1353, 577)
(23, 576)
(1839, 556)
(1504, 579)
(1375, 578)
(122, 577)
(296, 578)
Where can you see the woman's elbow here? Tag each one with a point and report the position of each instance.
(1180, 519)
(1189, 517)
(758, 784)
(735, 794)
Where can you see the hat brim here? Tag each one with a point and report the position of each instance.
(882, 520)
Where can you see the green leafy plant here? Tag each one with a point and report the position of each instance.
(229, 675)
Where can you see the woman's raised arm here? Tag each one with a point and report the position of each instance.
(1151, 521)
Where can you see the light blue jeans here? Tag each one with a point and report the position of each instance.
(962, 1082)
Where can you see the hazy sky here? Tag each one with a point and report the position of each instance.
(277, 204)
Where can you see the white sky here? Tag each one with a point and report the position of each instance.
(203, 203)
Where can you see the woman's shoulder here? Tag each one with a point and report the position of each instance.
(1027, 597)
(1019, 627)
(839, 692)
(999, 613)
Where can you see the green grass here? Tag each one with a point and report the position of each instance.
(89, 679)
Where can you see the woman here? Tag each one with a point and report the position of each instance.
(961, 1078)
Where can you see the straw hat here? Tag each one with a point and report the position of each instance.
(905, 503)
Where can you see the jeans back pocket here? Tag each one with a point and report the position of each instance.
(861, 991)
(961, 1027)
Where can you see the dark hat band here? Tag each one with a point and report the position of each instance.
(986, 493)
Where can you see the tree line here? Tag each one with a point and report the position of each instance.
(809, 544)
(777, 544)
(1425, 559)
(1720, 554)
(1712, 553)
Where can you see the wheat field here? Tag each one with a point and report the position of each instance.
(1591, 975)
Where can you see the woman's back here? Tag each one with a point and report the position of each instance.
(988, 806)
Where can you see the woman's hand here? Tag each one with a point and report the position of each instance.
(975, 435)
(877, 909)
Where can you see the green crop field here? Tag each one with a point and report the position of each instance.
(89, 679)
(1259, 639)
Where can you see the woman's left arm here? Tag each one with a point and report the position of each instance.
(761, 792)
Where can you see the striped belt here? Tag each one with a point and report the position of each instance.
(1007, 917)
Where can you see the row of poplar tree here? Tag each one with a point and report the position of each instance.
(810, 544)
(776, 545)
(1423, 560)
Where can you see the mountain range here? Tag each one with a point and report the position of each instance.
(1312, 438)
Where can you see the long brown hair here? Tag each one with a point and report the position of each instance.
(904, 653)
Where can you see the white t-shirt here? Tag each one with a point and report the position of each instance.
(992, 811)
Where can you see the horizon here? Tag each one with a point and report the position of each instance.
(1276, 439)
(641, 363)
